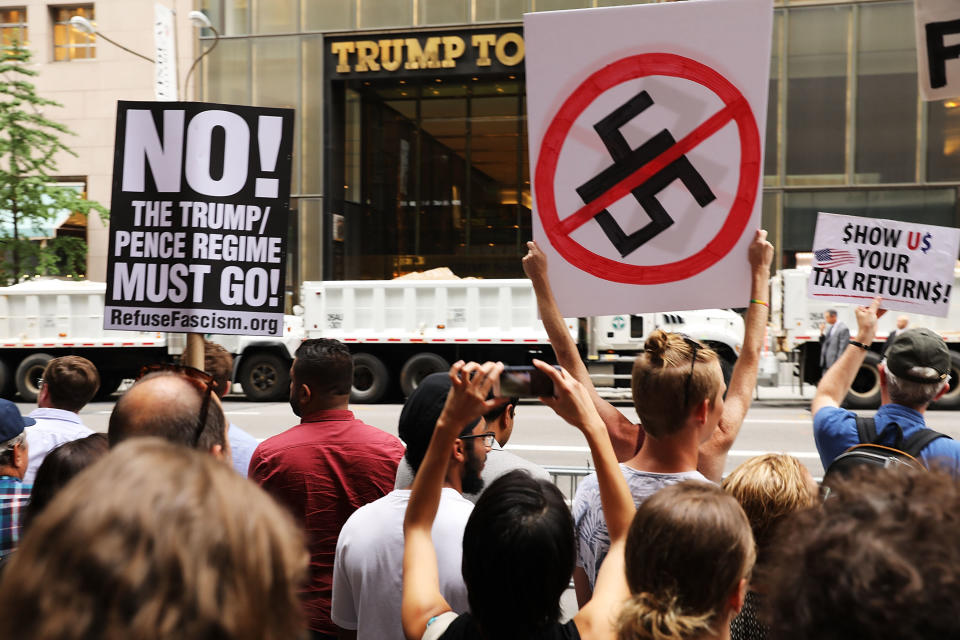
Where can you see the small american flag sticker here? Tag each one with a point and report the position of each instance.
(829, 258)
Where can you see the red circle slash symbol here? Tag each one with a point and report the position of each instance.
(735, 108)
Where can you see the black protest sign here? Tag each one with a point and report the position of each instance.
(198, 219)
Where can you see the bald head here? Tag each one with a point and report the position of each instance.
(168, 406)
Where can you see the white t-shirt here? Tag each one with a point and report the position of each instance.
(368, 566)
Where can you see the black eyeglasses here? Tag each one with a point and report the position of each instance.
(695, 346)
(193, 375)
(487, 441)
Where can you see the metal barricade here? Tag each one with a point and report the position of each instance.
(567, 479)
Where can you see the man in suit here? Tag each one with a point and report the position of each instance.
(902, 323)
(834, 337)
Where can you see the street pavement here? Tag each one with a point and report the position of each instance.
(779, 420)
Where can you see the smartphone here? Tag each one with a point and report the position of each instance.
(524, 382)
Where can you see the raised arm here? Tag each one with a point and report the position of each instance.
(466, 402)
(625, 435)
(572, 402)
(836, 381)
(713, 452)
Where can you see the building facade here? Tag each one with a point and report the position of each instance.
(88, 76)
(411, 148)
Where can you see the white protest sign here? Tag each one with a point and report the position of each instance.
(165, 54)
(909, 265)
(938, 48)
(199, 218)
(646, 142)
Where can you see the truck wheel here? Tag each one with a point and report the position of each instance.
(951, 399)
(417, 368)
(28, 376)
(865, 391)
(264, 377)
(109, 383)
(370, 379)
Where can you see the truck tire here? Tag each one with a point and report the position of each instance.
(264, 377)
(951, 399)
(6, 381)
(370, 379)
(27, 377)
(417, 368)
(865, 391)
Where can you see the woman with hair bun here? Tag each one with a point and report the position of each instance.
(688, 424)
(688, 560)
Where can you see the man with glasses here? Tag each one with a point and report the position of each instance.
(326, 467)
(368, 568)
(175, 403)
(500, 421)
(67, 385)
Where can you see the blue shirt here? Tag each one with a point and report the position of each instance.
(242, 446)
(835, 431)
(14, 496)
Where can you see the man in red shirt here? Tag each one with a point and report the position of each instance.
(326, 467)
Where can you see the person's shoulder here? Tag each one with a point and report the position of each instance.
(834, 417)
(366, 517)
(454, 505)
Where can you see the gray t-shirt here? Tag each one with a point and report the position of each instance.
(498, 463)
(593, 540)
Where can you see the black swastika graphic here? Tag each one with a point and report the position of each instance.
(625, 162)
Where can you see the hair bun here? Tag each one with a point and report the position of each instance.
(648, 616)
(657, 344)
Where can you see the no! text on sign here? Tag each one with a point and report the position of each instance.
(911, 266)
(198, 218)
(646, 145)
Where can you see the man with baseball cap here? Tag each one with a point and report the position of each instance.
(14, 495)
(914, 373)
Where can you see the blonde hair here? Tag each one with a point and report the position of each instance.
(157, 542)
(659, 382)
(688, 548)
(769, 487)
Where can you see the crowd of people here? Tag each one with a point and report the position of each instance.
(178, 524)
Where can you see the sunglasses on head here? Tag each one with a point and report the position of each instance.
(695, 348)
(203, 381)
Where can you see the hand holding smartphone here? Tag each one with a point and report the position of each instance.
(525, 382)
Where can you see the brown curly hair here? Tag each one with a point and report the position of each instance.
(880, 559)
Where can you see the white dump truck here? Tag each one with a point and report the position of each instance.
(402, 330)
(48, 317)
(796, 322)
(398, 331)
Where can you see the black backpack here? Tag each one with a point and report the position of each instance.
(871, 452)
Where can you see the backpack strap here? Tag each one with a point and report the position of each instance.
(918, 441)
(866, 430)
